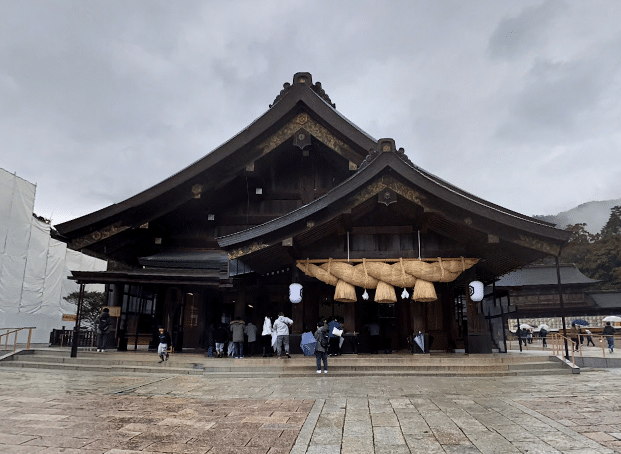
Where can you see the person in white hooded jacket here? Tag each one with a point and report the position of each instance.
(281, 326)
(266, 338)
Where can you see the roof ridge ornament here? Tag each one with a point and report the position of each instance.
(304, 78)
(386, 146)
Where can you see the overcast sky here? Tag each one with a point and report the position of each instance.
(516, 102)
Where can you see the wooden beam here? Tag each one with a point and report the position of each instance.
(383, 229)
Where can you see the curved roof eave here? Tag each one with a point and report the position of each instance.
(417, 176)
(300, 93)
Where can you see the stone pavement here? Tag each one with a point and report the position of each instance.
(47, 412)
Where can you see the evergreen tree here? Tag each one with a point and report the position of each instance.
(613, 226)
(92, 304)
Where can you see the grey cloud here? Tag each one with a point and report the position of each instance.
(557, 99)
(518, 35)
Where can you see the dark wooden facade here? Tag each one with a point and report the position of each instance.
(222, 236)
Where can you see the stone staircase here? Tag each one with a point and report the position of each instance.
(398, 364)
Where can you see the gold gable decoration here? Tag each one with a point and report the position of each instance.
(384, 275)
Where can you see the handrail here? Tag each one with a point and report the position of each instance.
(604, 344)
(16, 331)
(558, 345)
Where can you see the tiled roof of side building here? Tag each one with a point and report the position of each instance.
(543, 275)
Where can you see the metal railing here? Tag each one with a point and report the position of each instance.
(16, 332)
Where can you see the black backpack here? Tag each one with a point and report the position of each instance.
(324, 338)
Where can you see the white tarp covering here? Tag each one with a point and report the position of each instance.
(33, 266)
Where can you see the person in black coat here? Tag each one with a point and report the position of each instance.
(162, 348)
(608, 332)
(221, 336)
(323, 343)
(103, 323)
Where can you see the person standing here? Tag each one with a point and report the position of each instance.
(543, 333)
(266, 337)
(281, 326)
(251, 332)
(374, 332)
(103, 323)
(162, 348)
(334, 339)
(220, 337)
(575, 336)
(323, 342)
(589, 337)
(609, 332)
(238, 327)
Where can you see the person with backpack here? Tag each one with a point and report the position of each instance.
(323, 343)
(103, 323)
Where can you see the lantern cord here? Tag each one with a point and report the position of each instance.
(419, 245)
(441, 266)
(348, 246)
(364, 267)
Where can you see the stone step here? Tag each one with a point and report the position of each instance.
(252, 367)
(401, 357)
(351, 363)
(105, 358)
(167, 368)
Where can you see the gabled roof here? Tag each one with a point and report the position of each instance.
(228, 158)
(448, 210)
(396, 163)
(537, 275)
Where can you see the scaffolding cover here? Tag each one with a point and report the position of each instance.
(34, 268)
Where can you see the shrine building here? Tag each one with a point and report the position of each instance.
(304, 196)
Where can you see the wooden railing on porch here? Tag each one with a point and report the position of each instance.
(16, 332)
(557, 342)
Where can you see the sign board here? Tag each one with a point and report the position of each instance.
(115, 311)
(70, 317)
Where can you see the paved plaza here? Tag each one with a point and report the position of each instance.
(47, 411)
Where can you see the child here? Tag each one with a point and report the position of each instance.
(162, 349)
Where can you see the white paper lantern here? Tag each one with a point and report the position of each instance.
(476, 290)
(295, 293)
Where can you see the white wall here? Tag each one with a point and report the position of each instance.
(33, 266)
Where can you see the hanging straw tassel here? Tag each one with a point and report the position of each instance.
(424, 291)
(404, 295)
(365, 295)
(385, 293)
(344, 292)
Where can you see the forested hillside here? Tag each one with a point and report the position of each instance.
(598, 255)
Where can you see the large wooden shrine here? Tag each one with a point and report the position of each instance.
(302, 195)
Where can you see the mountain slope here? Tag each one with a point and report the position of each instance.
(593, 214)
